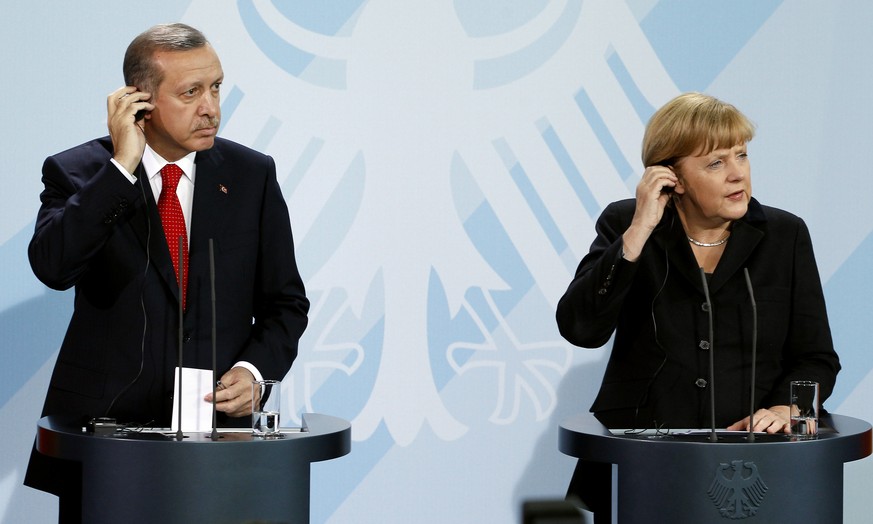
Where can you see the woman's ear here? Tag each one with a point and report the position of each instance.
(679, 189)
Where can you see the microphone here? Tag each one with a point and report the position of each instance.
(713, 436)
(214, 363)
(754, 353)
(181, 276)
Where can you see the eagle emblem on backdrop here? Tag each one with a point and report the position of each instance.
(425, 222)
(737, 489)
(443, 168)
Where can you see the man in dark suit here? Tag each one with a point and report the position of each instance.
(99, 229)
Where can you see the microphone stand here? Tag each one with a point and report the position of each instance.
(754, 353)
(214, 358)
(181, 275)
(713, 436)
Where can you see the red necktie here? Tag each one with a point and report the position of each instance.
(174, 221)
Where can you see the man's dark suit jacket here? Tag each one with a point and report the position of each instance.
(100, 233)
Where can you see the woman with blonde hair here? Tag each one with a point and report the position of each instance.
(641, 280)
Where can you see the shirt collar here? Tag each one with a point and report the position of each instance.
(152, 162)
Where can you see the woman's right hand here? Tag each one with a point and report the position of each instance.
(653, 192)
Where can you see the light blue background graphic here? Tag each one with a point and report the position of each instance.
(444, 162)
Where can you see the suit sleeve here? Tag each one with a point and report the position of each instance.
(808, 353)
(280, 303)
(588, 312)
(80, 208)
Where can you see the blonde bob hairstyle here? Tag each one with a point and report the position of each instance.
(693, 124)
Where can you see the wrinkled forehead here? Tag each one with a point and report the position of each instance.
(193, 66)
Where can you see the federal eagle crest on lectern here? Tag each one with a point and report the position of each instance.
(737, 489)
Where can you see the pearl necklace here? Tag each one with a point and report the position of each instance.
(712, 244)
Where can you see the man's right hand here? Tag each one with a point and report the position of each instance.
(128, 138)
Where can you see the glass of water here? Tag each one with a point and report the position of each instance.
(266, 408)
(804, 409)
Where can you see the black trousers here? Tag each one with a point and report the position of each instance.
(60, 477)
(592, 485)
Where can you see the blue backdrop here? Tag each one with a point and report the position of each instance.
(444, 162)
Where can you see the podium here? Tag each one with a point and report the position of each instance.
(149, 477)
(689, 479)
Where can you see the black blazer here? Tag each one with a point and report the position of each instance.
(658, 370)
(101, 234)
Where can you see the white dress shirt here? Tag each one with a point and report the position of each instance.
(152, 162)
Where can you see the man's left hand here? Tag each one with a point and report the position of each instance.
(234, 396)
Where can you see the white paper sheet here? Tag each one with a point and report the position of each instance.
(196, 412)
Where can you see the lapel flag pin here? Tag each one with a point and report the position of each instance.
(222, 188)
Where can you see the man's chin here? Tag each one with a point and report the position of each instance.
(203, 144)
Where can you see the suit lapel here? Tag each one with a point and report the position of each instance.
(208, 214)
(211, 197)
(147, 227)
(146, 217)
(674, 242)
(745, 235)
